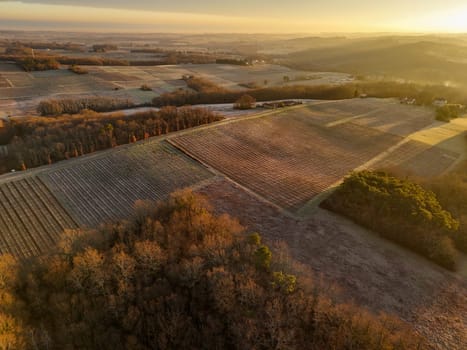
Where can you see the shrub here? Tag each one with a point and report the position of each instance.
(245, 102)
(77, 69)
(145, 87)
(451, 191)
(39, 64)
(448, 112)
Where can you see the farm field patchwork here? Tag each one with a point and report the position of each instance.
(31, 219)
(286, 158)
(103, 188)
(48, 83)
(229, 76)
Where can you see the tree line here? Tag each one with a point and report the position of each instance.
(424, 95)
(402, 211)
(33, 142)
(221, 95)
(29, 63)
(451, 192)
(15, 45)
(54, 107)
(176, 276)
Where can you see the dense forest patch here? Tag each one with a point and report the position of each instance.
(37, 141)
(175, 276)
(401, 211)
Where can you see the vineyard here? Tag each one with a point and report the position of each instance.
(230, 76)
(31, 219)
(106, 188)
(418, 158)
(285, 158)
(398, 119)
(36, 208)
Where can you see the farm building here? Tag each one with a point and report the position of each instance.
(440, 102)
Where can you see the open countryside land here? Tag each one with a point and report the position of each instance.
(268, 169)
(21, 92)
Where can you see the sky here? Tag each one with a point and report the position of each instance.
(239, 16)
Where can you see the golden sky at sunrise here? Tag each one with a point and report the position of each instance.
(245, 16)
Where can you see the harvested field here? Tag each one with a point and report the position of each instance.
(398, 119)
(115, 76)
(31, 219)
(18, 79)
(230, 76)
(368, 270)
(285, 158)
(9, 67)
(328, 113)
(104, 188)
(4, 82)
(419, 159)
(48, 83)
(385, 115)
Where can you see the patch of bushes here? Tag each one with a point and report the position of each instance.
(175, 276)
(54, 107)
(399, 210)
(448, 112)
(30, 64)
(202, 85)
(145, 87)
(245, 102)
(77, 69)
(451, 191)
(104, 47)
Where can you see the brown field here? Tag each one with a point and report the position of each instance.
(286, 157)
(105, 188)
(264, 163)
(419, 159)
(36, 206)
(31, 218)
(230, 76)
(385, 115)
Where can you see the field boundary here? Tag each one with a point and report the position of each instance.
(7, 177)
(219, 174)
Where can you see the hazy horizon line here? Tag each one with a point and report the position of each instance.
(194, 32)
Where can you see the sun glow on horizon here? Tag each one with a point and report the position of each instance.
(111, 19)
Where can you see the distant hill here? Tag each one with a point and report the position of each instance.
(420, 59)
